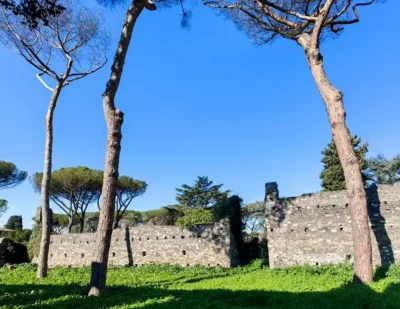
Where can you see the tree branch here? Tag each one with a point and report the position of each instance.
(43, 82)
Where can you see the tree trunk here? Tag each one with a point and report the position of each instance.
(45, 187)
(70, 221)
(116, 223)
(333, 100)
(81, 225)
(114, 119)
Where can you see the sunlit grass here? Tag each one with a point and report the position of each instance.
(167, 287)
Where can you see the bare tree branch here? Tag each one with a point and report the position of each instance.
(43, 82)
(264, 20)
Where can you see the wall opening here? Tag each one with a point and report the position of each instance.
(183, 252)
(144, 253)
(82, 255)
(113, 254)
(182, 237)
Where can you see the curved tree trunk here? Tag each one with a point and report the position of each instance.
(45, 187)
(333, 99)
(114, 119)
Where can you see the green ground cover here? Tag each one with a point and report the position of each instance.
(169, 287)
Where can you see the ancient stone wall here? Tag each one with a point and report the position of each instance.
(315, 229)
(207, 245)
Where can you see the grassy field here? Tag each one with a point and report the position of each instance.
(169, 287)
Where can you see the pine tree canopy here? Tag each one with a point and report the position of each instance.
(332, 175)
(202, 195)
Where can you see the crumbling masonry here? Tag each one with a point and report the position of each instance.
(315, 229)
(207, 245)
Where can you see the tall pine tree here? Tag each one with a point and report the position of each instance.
(332, 175)
(203, 194)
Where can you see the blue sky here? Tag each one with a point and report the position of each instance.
(207, 102)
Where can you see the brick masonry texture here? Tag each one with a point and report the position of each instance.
(207, 245)
(315, 229)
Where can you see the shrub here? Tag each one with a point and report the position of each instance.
(13, 253)
(195, 216)
(34, 241)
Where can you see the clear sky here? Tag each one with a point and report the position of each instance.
(207, 102)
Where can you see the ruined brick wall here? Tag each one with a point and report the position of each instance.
(207, 245)
(315, 229)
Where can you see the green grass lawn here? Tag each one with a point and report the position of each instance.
(167, 287)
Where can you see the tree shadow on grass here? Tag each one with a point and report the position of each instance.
(73, 296)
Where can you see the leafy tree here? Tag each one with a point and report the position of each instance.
(74, 42)
(253, 217)
(14, 223)
(3, 207)
(131, 218)
(203, 194)
(20, 236)
(33, 11)
(167, 215)
(195, 216)
(383, 171)
(73, 189)
(10, 176)
(332, 175)
(307, 22)
(127, 189)
(60, 223)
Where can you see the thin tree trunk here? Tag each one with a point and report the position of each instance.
(70, 221)
(118, 215)
(81, 225)
(45, 187)
(333, 99)
(114, 119)
(116, 223)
